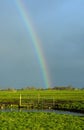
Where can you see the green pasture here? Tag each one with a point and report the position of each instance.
(60, 99)
(77, 95)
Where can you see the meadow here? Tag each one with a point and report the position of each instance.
(59, 99)
(72, 100)
(48, 94)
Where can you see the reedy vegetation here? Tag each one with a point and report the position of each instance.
(39, 121)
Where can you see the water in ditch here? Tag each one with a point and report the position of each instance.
(41, 110)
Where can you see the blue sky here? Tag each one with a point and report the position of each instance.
(59, 25)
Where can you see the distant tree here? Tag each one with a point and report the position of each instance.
(69, 87)
(10, 89)
(29, 88)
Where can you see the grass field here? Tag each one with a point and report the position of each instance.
(48, 94)
(39, 121)
(62, 99)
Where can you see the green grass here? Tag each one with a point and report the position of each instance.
(39, 121)
(48, 94)
(63, 99)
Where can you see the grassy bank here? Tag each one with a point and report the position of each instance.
(39, 121)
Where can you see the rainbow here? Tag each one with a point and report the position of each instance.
(36, 42)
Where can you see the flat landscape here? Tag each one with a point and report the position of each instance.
(57, 99)
(71, 100)
(41, 64)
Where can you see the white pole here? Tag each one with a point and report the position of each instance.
(20, 99)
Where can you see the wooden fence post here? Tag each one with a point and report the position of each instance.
(20, 100)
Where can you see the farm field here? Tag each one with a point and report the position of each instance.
(60, 99)
(76, 95)
(39, 121)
